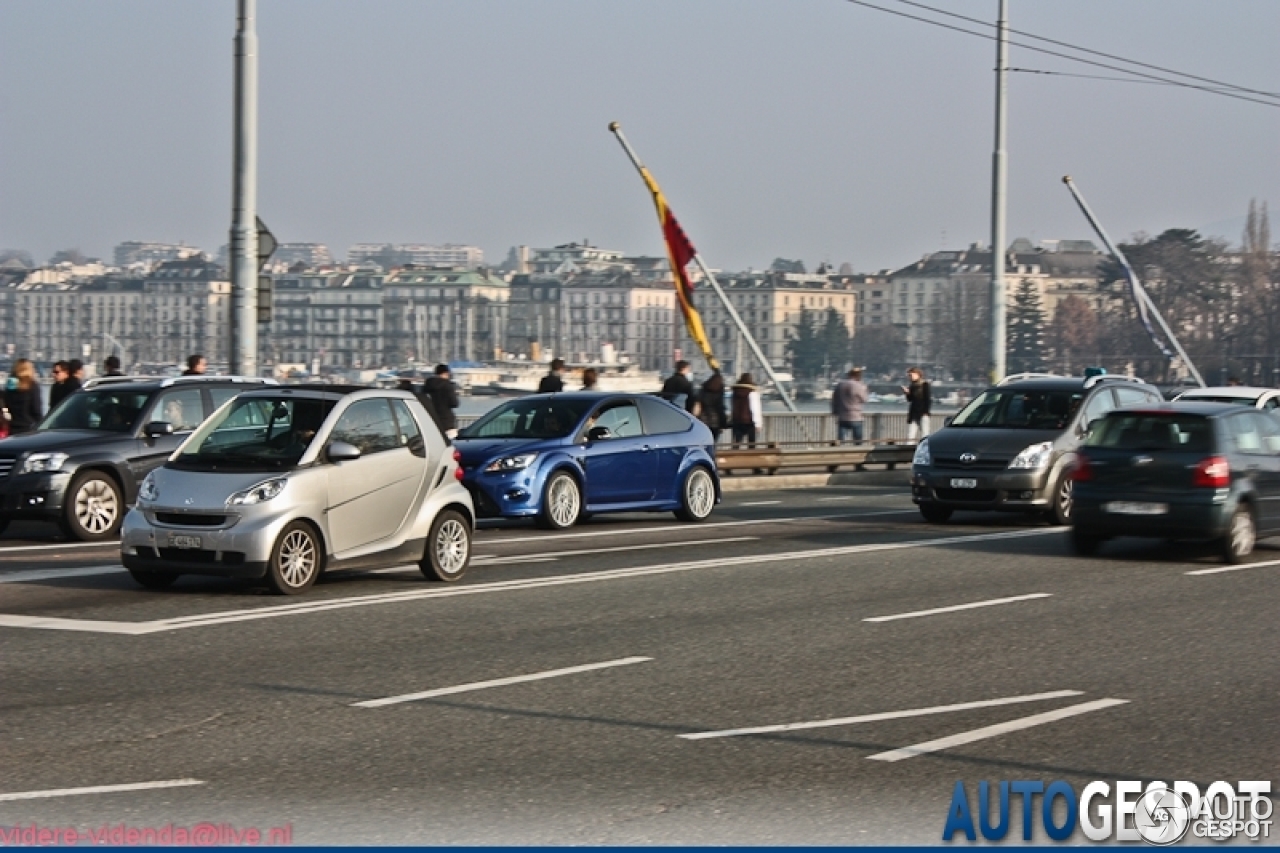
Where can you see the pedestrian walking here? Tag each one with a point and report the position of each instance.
(76, 368)
(746, 415)
(64, 384)
(711, 405)
(678, 389)
(553, 383)
(111, 366)
(196, 365)
(440, 398)
(846, 404)
(919, 402)
(590, 378)
(22, 398)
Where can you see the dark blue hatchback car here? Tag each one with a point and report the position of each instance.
(557, 458)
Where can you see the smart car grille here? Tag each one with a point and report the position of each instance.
(6, 467)
(185, 519)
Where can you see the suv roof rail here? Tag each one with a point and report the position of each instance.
(94, 381)
(166, 381)
(1022, 377)
(1112, 377)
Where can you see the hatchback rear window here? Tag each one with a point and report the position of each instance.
(1175, 431)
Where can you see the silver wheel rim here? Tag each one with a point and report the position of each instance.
(452, 546)
(699, 494)
(1242, 534)
(562, 501)
(1065, 497)
(97, 506)
(297, 558)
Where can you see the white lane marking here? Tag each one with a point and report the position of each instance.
(99, 789)
(995, 731)
(226, 617)
(1235, 568)
(885, 715)
(837, 498)
(114, 543)
(668, 527)
(953, 608)
(54, 574)
(759, 503)
(496, 682)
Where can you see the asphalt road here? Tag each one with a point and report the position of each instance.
(309, 713)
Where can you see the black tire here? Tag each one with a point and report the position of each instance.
(92, 508)
(1242, 535)
(1084, 542)
(936, 513)
(561, 503)
(297, 559)
(697, 496)
(1062, 500)
(4, 524)
(153, 580)
(448, 548)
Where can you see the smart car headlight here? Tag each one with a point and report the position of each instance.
(37, 462)
(148, 491)
(1035, 456)
(511, 463)
(922, 455)
(264, 491)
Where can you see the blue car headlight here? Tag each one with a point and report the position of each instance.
(264, 491)
(511, 463)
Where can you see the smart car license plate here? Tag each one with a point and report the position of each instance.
(1135, 508)
(184, 542)
(963, 483)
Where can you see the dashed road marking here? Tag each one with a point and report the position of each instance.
(1241, 567)
(99, 789)
(953, 608)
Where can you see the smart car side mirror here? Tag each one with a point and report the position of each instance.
(341, 451)
(599, 433)
(155, 429)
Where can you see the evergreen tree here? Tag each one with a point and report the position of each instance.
(1025, 341)
(806, 347)
(835, 342)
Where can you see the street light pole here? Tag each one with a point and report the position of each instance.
(999, 179)
(244, 203)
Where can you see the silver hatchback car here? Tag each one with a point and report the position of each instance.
(286, 483)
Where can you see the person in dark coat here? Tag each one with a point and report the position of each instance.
(64, 384)
(22, 398)
(919, 402)
(747, 413)
(552, 383)
(678, 389)
(712, 410)
(111, 366)
(440, 398)
(590, 379)
(196, 365)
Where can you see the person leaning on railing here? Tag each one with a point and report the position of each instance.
(846, 404)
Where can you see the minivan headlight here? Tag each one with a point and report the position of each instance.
(1035, 456)
(264, 491)
(922, 455)
(511, 463)
(148, 491)
(37, 462)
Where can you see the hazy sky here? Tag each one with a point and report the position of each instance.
(813, 129)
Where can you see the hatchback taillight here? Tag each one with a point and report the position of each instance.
(1083, 472)
(1213, 473)
(457, 465)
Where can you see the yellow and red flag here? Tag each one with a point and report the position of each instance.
(680, 252)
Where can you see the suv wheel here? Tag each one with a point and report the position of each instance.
(93, 507)
(1241, 536)
(448, 547)
(1059, 511)
(935, 513)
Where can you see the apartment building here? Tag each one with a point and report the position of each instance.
(434, 315)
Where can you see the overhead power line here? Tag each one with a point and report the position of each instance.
(1234, 92)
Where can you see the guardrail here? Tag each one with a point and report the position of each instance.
(771, 458)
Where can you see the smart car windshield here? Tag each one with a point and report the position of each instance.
(1014, 408)
(254, 433)
(106, 410)
(530, 418)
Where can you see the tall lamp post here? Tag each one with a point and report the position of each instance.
(999, 180)
(244, 203)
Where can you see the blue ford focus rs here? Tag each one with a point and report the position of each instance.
(558, 457)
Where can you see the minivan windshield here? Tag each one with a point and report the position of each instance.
(1020, 408)
(539, 417)
(108, 410)
(254, 433)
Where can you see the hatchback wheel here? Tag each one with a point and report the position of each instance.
(935, 513)
(698, 497)
(1085, 542)
(561, 503)
(93, 508)
(295, 560)
(1241, 536)
(448, 547)
(1059, 511)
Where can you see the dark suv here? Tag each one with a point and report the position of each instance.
(82, 465)
(1012, 448)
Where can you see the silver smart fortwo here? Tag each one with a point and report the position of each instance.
(285, 483)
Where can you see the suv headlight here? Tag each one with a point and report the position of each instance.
(511, 463)
(1035, 456)
(42, 462)
(148, 491)
(922, 455)
(264, 491)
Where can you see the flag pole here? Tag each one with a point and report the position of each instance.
(616, 129)
(1143, 296)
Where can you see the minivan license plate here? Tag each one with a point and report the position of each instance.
(1135, 508)
(184, 542)
(964, 483)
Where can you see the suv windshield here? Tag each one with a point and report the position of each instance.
(1147, 431)
(1020, 408)
(255, 433)
(530, 418)
(106, 410)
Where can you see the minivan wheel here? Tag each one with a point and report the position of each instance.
(1059, 511)
(448, 548)
(697, 497)
(92, 508)
(561, 503)
(153, 580)
(935, 513)
(1241, 536)
(296, 560)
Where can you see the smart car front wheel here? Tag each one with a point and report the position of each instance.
(296, 560)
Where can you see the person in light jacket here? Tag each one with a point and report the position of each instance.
(746, 415)
(846, 404)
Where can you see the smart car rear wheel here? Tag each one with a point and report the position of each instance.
(561, 503)
(93, 508)
(698, 497)
(448, 548)
(1241, 536)
(296, 560)
(153, 580)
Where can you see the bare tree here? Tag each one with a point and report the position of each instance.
(1072, 336)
